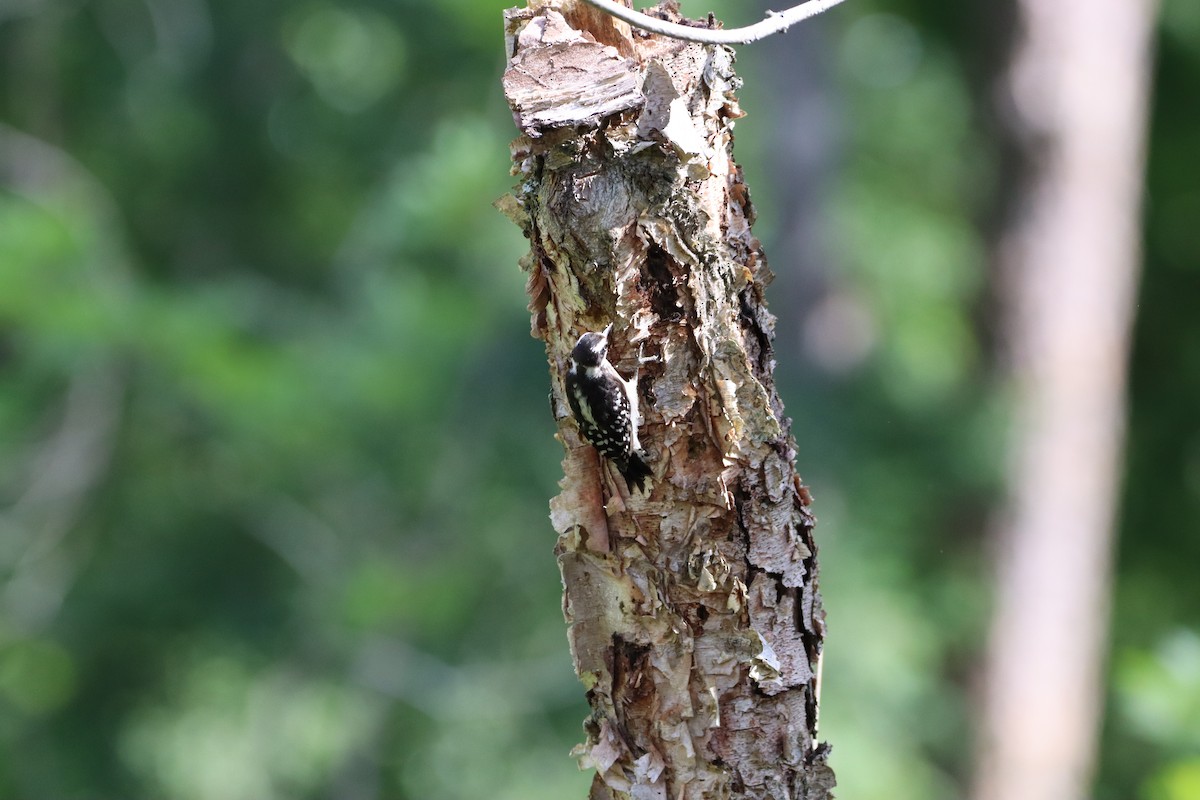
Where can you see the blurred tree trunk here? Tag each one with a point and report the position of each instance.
(1076, 88)
(695, 621)
(807, 143)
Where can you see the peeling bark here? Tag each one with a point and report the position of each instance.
(695, 620)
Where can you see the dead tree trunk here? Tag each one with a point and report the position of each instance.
(695, 621)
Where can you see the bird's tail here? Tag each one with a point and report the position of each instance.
(635, 471)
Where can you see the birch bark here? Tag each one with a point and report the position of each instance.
(694, 618)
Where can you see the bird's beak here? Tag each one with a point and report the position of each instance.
(606, 331)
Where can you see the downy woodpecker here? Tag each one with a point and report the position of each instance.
(606, 407)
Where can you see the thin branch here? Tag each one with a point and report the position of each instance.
(776, 22)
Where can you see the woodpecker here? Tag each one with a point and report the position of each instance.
(606, 407)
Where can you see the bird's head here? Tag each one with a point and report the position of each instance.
(592, 348)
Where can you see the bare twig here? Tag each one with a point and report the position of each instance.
(775, 22)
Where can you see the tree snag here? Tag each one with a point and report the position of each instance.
(695, 621)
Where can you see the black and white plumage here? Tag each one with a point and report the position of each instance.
(606, 407)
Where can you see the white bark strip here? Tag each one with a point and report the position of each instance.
(695, 621)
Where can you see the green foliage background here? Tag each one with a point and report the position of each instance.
(274, 444)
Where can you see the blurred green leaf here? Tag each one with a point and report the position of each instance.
(36, 676)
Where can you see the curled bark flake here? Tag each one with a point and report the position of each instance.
(558, 77)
